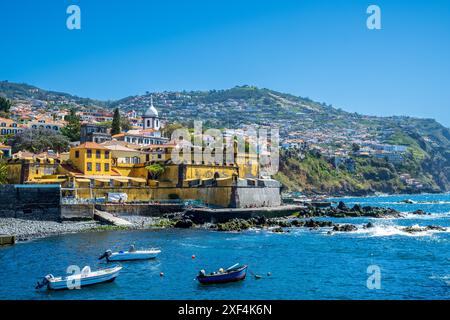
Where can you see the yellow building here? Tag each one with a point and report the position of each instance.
(26, 167)
(91, 158)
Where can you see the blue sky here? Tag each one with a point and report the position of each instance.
(318, 49)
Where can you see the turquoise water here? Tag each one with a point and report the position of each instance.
(304, 264)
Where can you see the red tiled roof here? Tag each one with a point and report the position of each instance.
(90, 145)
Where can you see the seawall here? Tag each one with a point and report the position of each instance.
(34, 202)
(140, 209)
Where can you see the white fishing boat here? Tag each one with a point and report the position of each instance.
(130, 255)
(76, 281)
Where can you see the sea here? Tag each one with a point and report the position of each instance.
(383, 262)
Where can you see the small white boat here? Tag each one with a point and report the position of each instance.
(76, 281)
(130, 255)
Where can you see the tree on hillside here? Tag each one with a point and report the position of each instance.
(5, 106)
(72, 129)
(169, 128)
(115, 126)
(125, 124)
(39, 140)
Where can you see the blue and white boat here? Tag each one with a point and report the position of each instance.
(130, 255)
(83, 279)
(232, 274)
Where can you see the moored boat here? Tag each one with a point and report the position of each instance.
(76, 281)
(232, 274)
(130, 255)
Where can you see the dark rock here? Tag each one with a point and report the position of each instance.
(297, 223)
(278, 230)
(342, 206)
(345, 228)
(234, 225)
(438, 228)
(357, 208)
(284, 224)
(260, 220)
(420, 212)
(184, 223)
(413, 229)
(317, 224)
(369, 225)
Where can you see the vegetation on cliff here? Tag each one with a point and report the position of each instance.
(313, 174)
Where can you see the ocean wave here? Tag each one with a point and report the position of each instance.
(409, 215)
(389, 230)
(445, 279)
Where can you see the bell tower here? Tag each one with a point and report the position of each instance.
(150, 117)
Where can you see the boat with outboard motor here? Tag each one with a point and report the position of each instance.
(131, 254)
(76, 281)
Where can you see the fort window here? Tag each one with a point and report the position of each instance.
(106, 167)
(97, 154)
(89, 153)
(77, 154)
(89, 166)
(98, 167)
(106, 154)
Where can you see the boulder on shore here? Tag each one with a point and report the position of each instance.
(345, 228)
(184, 224)
(414, 229)
(234, 225)
(342, 206)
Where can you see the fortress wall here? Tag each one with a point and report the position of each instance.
(40, 202)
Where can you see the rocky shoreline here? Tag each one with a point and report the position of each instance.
(25, 230)
(31, 229)
(304, 219)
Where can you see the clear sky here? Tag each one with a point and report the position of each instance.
(319, 49)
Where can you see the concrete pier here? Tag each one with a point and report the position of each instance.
(109, 218)
(226, 214)
(7, 240)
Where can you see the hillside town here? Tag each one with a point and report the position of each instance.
(305, 126)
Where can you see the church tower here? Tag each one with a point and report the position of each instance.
(150, 117)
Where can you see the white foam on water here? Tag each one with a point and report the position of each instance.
(409, 215)
(445, 279)
(388, 230)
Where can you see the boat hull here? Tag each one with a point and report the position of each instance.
(130, 256)
(234, 276)
(69, 282)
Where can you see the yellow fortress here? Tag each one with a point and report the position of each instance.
(147, 173)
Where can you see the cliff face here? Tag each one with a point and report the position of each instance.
(313, 174)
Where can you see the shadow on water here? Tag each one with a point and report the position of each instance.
(220, 286)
